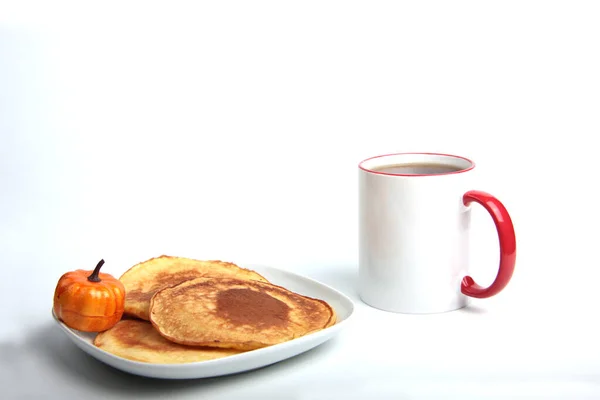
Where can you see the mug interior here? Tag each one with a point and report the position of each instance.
(461, 164)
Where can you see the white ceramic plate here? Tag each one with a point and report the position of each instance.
(239, 362)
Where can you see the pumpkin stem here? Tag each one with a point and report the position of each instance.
(94, 276)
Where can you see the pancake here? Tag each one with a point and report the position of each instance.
(142, 280)
(233, 313)
(138, 341)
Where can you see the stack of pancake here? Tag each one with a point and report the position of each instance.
(180, 310)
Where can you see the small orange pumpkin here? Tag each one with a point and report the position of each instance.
(89, 301)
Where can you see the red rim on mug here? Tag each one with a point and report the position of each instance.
(469, 167)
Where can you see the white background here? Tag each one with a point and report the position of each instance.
(232, 130)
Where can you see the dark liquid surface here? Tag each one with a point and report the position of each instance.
(417, 169)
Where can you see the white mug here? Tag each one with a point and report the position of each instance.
(414, 219)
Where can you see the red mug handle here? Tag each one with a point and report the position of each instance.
(508, 246)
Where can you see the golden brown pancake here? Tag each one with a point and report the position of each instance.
(138, 341)
(233, 313)
(144, 279)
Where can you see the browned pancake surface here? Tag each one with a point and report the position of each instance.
(138, 341)
(233, 313)
(144, 279)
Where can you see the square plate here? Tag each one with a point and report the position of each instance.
(247, 361)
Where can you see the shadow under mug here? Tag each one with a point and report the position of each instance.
(414, 233)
